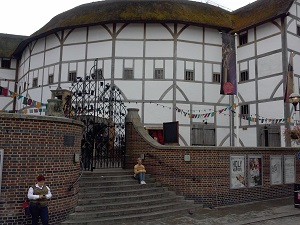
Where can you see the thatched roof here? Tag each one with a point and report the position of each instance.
(9, 43)
(140, 11)
(259, 12)
(180, 11)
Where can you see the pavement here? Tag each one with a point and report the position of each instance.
(270, 212)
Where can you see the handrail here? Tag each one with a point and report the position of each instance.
(81, 172)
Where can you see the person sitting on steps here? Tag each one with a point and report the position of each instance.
(139, 171)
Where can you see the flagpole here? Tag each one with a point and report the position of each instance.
(237, 142)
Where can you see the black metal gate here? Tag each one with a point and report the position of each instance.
(99, 106)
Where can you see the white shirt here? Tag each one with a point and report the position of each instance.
(34, 197)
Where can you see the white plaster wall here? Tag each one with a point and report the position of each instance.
(271, 110)
(98, 33)
(251, 36)
(131, 89)
(160, 88)
(223, 118)
(76, 36)
(159, 49)
(222, 133)
(132, 31)
(266, 30)
(39, 46)
(52, 41)
(149, 65)
(138, 69)
(212, 36)
(193, 91)
(7, 74)
(247, 91)
(107, 70)
(248, 137)
(155, 31)
(189, 50)
(180, 70)
(129, 48)
(156, 114)
(269, 65)
(184, 132)
(192, 33)
(74, 52)
(211, 92)
(52, 56)
(198, 71)
(118, 68)
(292, 25)
(269, 44)
(293, 9)
(245, 51)
(37, 61)
(180, 117)
(168, 69)
(208, 71)
(293, 42)
(213, 53)
(251, 68)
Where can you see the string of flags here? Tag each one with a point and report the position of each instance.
(26, 101)
(187, 113)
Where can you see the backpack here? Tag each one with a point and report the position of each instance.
(26, 208)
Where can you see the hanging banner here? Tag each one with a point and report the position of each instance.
(289, 87)
(228, 74)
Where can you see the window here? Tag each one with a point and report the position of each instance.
(243, 39)
(216, 78)
(270, 136)
(128, 74)
(158, 74)
(5, 63)
(98, 75)
(203, 134)
(298, 30)
(245, 109)
(244, 75)
(50, 79)
(35, 82)
(72, 76)
(189, 75)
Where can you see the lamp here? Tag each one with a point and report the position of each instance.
(295, 99)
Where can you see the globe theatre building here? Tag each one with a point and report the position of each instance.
(166, 58)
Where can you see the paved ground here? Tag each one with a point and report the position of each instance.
(272, 212)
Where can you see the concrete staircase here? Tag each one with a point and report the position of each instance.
(112, 196)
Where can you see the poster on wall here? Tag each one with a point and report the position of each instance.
(237, 171)
(1, 166)
(255, 171)
(289, 169)
(276, 169)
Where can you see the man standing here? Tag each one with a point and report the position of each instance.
(39, 196)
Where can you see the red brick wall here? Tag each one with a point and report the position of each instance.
(34, 145)
(206, 178)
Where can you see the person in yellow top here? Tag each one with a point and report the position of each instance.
(139, 171)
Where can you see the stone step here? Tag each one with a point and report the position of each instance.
(99, 189)
(125, 211)
(120, 199)
(129, 203)
(108, 172)
(122, 192)
(133, 218)
(98, 182)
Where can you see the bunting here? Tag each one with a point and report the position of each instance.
(289, 88)
(25, 101)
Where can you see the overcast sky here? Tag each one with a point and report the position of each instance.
(24, 17)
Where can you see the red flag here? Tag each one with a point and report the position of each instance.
(289, 88)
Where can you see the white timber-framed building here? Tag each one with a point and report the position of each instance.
(166, 58)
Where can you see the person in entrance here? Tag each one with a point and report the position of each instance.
(139, 171)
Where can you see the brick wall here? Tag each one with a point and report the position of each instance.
(36, 145)
(206, 178)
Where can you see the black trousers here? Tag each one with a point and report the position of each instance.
(37, 211)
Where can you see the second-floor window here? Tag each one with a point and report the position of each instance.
(128, 74)
(243, 39)
(51, 79)
(216, 78)
(244, 75)
(189, 75)
(35, 82)
(5, 63)
(245, 109)
(72, 76)
(158, 74)
(298, 30)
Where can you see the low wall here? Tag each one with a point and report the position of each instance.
(208, 177)
(36, 145)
